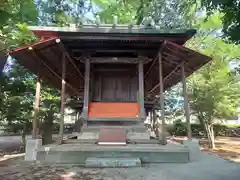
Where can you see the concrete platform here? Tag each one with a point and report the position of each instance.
(147, 153)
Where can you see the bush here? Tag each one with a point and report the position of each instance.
(179, 128)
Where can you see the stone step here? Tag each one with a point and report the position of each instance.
(94, 141)
(94, 162)
(112, 136)
(147, 153)
(95, 127)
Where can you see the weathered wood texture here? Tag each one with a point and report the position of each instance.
(60, 140)
(35, 123)
(86, 89)
(115, 85)
(141, 88)
(163, 134)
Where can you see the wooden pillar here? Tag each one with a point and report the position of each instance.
(86, 89)
(186, 105)
(151, 118)
(61, 130)
(141, 88)
(35, 123)
(163, 131)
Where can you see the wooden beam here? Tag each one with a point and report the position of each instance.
(171, 73)
(122, 70)
(50, 69)
(86, 89)
(186, 105)
(141, 88)
(35, 122)
(161, 92)
(171, 55)
(61, 46)
(115, 60)
(105, 50)
(61, 129)
(91, 88)
(177, 53)
(184, 49)
(172, 62)
(150, 68)
(155, 59)
(120, 37)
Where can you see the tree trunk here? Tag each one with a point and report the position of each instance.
(47, 129)
(210, 135)
(23, 137)
(155, 125)
(212, 138)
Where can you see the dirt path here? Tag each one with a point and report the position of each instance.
(207, 167)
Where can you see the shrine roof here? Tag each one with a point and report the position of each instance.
(115, 31)
(100, 43)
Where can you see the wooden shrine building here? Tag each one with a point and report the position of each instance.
(115, 71)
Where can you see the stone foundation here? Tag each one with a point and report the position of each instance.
(32, 145)
(194, 149)
(79, 153)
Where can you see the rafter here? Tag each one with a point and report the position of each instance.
(114, 60)
(152, 65)
(165, 78)
(178, 53)
(61, 46)
(112, 50)
(155, 59)
(50, 69)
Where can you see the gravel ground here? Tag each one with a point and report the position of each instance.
(209, 167)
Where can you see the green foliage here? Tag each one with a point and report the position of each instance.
(173, 14)
(20, 36)
(15, 15)
(50, 103)
(17, 11)
(231, 16)
(179, 128)
(214, 91)
(173, 98)
(64, 12)
(16, 99)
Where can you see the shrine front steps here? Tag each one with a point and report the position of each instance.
(96, 162)
(128, 124)
(130, 136)
(84, 154)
